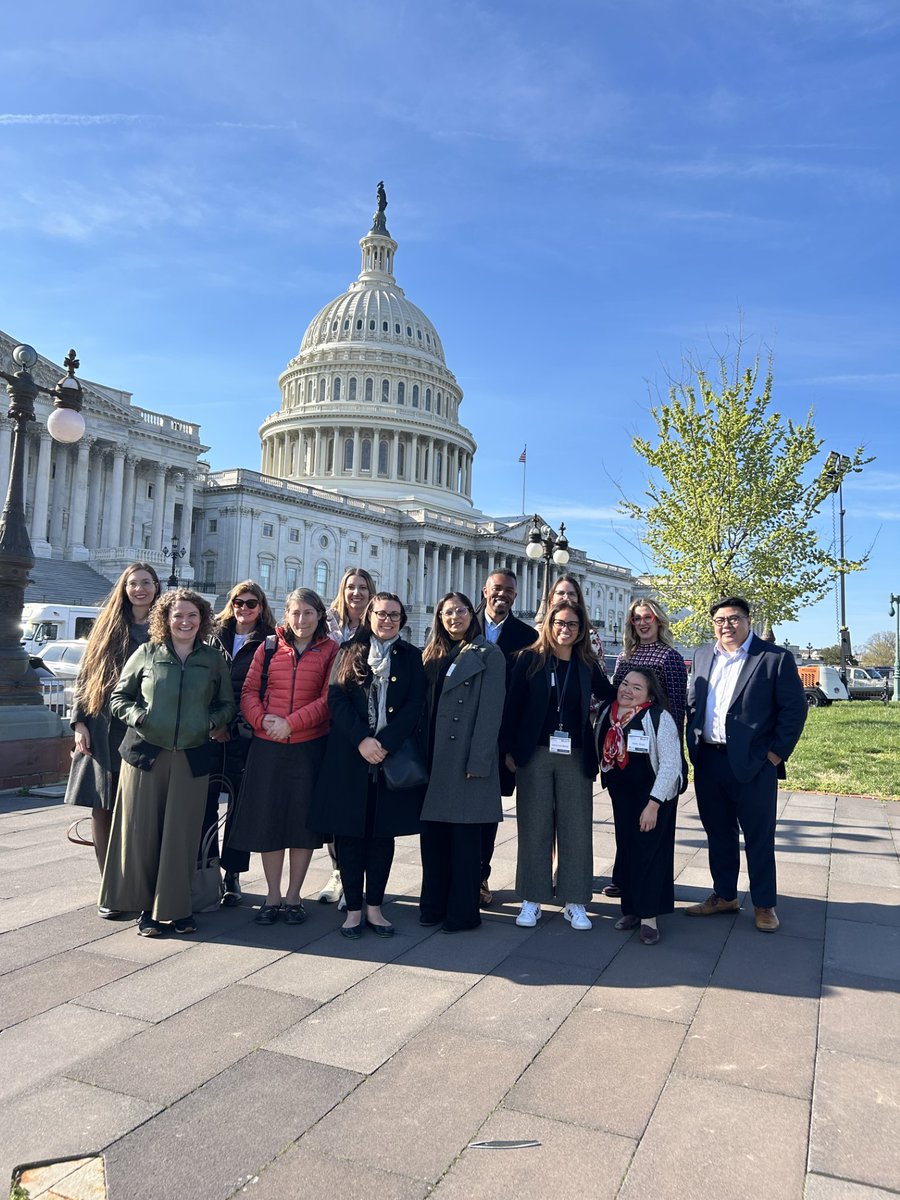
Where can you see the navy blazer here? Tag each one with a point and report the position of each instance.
(526, 707)
(768, 708)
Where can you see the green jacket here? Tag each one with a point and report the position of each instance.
(172, 703)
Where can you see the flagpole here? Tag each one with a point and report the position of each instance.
(524, 461)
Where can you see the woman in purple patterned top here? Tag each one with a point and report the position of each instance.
(648, 642)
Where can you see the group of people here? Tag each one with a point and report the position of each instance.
(331, 728)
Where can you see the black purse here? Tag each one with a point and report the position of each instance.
(405, 768)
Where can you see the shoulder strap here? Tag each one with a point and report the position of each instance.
(270, 644)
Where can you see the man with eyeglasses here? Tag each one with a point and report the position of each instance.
(495, 620)
(746, 711)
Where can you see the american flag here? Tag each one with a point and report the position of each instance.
(522, 456)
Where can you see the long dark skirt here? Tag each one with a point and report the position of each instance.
(645, 862)
(275, 796)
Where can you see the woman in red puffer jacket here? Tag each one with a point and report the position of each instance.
(285, 701)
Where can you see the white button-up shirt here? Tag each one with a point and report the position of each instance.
(722, 681)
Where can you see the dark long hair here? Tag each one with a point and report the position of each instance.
(545, 647)
(655, 686)
(354, 666)
(440, 642)
(314, 600)
(107, 647)
(265, 616)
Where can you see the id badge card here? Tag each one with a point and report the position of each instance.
(560, 742)
(638, 742)
(450, 670)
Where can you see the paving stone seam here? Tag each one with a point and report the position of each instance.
(856, 1183)
(819, 1014)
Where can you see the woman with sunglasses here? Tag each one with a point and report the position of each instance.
(648, 642)
(641, 765)
(466, 684)
(244, 622)
(549, 744)
(285, 701)
(376, 698)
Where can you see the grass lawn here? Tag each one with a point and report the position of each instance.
(850, 748)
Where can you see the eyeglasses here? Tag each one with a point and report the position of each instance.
(455, 612)
(566, 624)
(386, 616)
(720, 621)
(561, 595)
(251, 603)
(642, 620)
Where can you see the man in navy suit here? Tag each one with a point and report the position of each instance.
(746, 711)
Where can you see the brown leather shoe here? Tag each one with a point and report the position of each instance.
(766, 920)
(485, 896)
(713, 904)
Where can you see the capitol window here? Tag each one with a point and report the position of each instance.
(348, 454)
(290, 578)
(212, 525)
(359, 323)
(384, 326)
(321, 578)
(365, 455)
(409, 331)
(265, 575)
(382, 457)
(309, 388)
(351, 390)
(428, 399)
(415, 396)
(439, 403)
(336, 388)
(385, 391)
(323, 541)
(401, 393)
(401, 459)
(370, 388)
(268, 529)
(419, 334)
(322, 390)
(371, 322)
(352, 547)
(347, 323)
(439, 468)
(293, 535)
(397, 327)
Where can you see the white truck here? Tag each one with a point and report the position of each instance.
(43, 623)
(822, 684)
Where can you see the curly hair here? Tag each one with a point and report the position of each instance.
(630, 640)
(162, 611)
(107, 646)
(354, 665)
(248, 585)
(439, 640)
(339, 604)
(545, 646)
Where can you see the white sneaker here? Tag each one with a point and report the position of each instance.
(333, 889)
(577, 917)
(342, 903)
(529, 914)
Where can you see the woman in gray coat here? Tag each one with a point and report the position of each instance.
(466, 679)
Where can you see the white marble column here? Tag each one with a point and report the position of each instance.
(159, 508)
(126, 521)
(39, 543)
(77, 549)
(59, 494)
(95, 493)
(420, 573)
(395, 455)
(187, 512)
(112, 518)
(433, 574)
(169, 511)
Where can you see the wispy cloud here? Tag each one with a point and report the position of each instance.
(861, 379)
(83, 119)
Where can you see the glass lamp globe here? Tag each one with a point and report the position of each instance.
(65, 425)
(533, 550)
(560, 557)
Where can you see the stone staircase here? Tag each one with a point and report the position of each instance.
(61, 582)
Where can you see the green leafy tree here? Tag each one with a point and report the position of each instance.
(879, 650)
(831, 655)
(732, 498)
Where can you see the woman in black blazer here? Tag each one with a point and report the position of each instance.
(548, 742)
(376, 698)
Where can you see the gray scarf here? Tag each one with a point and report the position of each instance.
(380, 665)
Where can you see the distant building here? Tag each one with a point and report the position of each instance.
(365, 463)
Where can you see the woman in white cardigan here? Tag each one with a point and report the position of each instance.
(639, 748)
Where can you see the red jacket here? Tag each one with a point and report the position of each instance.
(297, 690)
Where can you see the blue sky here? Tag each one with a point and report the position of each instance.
(582, 195)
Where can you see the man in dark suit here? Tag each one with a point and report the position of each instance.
(746, 711)
(497, 623)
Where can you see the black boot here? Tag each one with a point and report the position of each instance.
(232, 894)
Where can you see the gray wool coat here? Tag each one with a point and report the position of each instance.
(465, 739)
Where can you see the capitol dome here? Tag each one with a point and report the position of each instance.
(369, 407)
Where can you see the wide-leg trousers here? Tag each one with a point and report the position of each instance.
(554, 802)
(451, 874)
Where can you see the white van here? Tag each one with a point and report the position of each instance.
(43, 623)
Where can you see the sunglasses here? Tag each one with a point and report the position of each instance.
(253, 603)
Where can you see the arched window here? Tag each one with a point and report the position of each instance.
(322, 578)
(401, 459)
(383, 457)
(322, 390)
(351, 390)
(336, 388)
(415, 396)
(329, 456)
(365, 455)
(385, 391)
(309, 391)
(439, 403)
(348, 454)
(428, 399)
(401, 393)
(370, 388)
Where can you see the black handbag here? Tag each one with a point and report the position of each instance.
(405, 768)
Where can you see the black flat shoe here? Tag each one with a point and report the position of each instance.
(184, 925)
(380, 930)
(268, 914)
(294, 914)
(353, 932)
(147, 927)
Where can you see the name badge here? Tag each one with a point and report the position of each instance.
(638, 743)
(450, 670)
(560, 742)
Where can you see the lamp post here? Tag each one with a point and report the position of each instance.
(836, 467)
(175, 554)
(895, 612)
(542, 544)
(809, 650)
(18, 682)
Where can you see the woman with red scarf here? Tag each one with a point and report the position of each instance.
(640, 762)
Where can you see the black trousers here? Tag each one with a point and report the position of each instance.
(451, 874)
(645, 862)
(728, 807)
(488, 838)
(227, 762)
(364, 859)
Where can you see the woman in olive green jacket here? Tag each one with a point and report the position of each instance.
(174, 694)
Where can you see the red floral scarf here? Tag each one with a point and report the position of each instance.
(615, 750)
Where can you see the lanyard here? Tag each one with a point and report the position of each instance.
(561, 692)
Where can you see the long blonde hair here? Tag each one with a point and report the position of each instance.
(339, 604)
(107, 647)
(630, 640)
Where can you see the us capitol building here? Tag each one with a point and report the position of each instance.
(365, 463)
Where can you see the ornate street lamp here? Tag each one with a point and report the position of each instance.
(836, 467)
(895, 612)
(542, 544)
(175, 554)
(18, 682)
